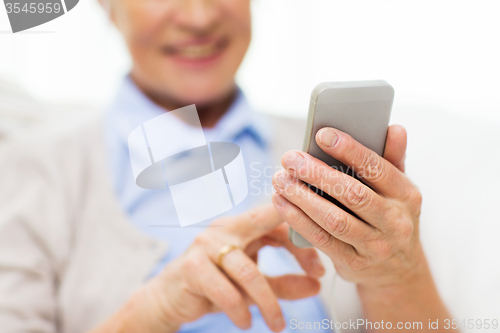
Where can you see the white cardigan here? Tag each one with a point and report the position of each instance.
(69, 257)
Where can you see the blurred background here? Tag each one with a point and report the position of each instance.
(439, 55)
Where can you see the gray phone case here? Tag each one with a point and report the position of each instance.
(362, 109)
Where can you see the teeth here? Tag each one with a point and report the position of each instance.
(196, 52)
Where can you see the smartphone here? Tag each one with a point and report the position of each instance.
(361, 109)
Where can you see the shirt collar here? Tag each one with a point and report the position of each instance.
(132, 107)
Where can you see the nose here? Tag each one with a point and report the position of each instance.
(197, 15)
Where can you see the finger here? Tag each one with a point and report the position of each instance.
(208, 281)
(242, 270)
(395, 146)
(251, 225)
(307, 257)
(353, 194)
(330, 217)
(293, 286)
(311, 231)
(374, 170)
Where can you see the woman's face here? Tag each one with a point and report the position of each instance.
(187, 51)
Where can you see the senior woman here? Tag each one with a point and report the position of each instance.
(78, 252)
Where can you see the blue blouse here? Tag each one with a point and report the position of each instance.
(153, 212)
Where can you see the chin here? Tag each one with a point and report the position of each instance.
(202, 93)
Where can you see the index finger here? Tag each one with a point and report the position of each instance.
(243, 270)
(371, 168)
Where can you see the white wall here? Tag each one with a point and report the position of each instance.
(77, 58)
(437, 54)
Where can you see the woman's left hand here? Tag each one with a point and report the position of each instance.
(380, 245)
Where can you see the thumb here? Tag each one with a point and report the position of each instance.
(395, 146)
(254, 224)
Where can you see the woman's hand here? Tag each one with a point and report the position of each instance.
(193, 285)
(379, 245)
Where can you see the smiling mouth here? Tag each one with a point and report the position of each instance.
(197, 50)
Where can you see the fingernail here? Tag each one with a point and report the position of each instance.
(282, 179)
(279, 200)
(328, 137)
(279, 323)
(294, 161)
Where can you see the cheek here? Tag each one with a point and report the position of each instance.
(142, 27)
(240, 18)
(239, 26)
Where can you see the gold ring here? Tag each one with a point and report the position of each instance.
(225, 250)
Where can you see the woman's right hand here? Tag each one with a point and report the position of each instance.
(193, 285)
